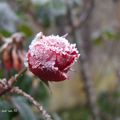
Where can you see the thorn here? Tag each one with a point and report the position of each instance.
(72, 70)
(64, 36)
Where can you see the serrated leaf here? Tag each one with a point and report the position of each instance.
(23, 108)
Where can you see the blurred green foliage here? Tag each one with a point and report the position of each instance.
(77, 113)
(25, 29)
(5, 33)
(106, 36)
(23, 108)
(1, 73)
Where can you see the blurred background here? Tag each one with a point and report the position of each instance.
(92, 91)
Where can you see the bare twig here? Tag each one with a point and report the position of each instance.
(12, 80)
(88, 7)
(45, 115)
(84, 65)
(4, 90)
(6, 86)
(3, 87)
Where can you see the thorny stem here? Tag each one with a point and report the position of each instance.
(12, 80)
(45, 115)
(7, 86)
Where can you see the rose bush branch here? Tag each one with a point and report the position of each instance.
(7, 87)
(12, 80)
(44, 113)
(88, 6)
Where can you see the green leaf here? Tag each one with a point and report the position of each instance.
(111, 35)
(25, 29)
(24, 110)
(5, 33)
(44, 16)
(4, 116)
(41, 93)
(25, 83)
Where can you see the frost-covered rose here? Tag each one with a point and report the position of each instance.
(50, 57)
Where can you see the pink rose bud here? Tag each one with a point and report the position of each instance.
(51, 57)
